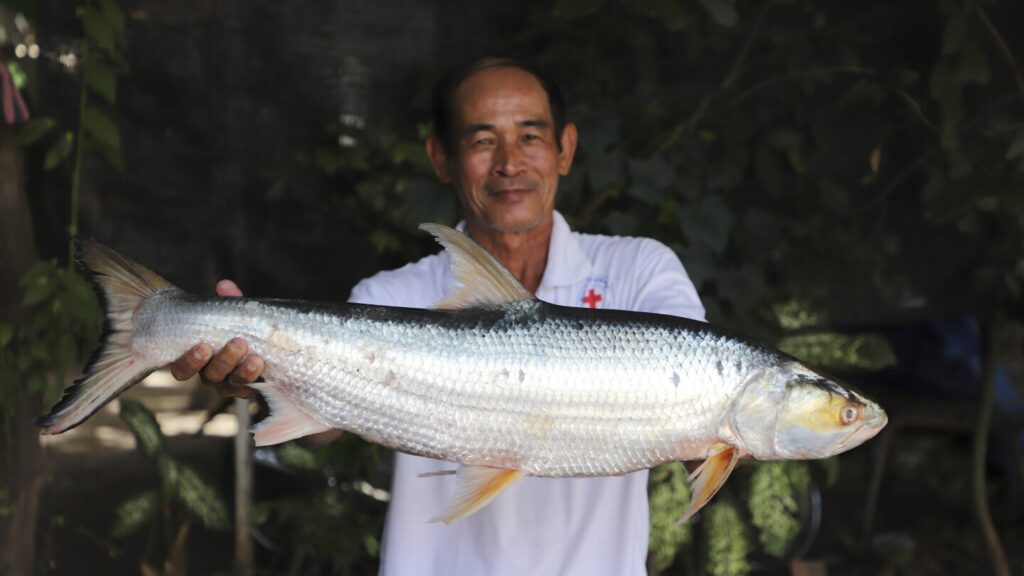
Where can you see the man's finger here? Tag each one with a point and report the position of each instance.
(191, 362)
(228, 390)
(247, 371)
(226, 360)
(228, 289)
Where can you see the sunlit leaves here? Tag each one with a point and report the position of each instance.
(774, 490)
(136, 512)
(669, 497)
(295, 457)
(143, 424)
(178, 481)
(727, 539)
(841, 353)
(200, 499)
(57, 333)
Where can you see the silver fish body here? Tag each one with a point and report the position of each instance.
(549, 390)
(492, 379)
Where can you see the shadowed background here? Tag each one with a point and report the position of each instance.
(843, 180)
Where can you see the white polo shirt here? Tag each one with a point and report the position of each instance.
(538, 526)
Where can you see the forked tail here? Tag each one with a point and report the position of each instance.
(122, 286)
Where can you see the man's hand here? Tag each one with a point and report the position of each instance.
(231, 370)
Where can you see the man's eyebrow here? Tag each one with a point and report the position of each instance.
(473, 128)
(534, 123)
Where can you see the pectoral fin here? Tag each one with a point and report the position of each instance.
(477, 486)
(709, 477)
(286, 421)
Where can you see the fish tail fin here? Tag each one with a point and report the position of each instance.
(122, 286)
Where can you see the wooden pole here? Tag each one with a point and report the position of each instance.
(243, 490)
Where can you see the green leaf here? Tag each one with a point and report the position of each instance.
(201, 499)
(101, 78)
(100, 126)
(98, 28)
(59, 151)
(136, 512)
(6, 334)
(573, 9)
(721, 11)
(149, 438)
(113, 14)
(34, 130)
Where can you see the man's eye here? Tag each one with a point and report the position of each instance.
(483, 142)
(531, 137)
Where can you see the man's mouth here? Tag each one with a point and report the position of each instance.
(511, 188)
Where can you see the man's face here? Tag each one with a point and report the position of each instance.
(505, 161)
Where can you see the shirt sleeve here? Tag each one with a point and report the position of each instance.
(665, 288)
(369, 291)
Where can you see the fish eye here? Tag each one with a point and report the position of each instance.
(849, 414)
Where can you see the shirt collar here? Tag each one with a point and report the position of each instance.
(567, 263)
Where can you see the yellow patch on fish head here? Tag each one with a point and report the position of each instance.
(820, 418)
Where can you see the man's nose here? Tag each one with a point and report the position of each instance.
(508, 160)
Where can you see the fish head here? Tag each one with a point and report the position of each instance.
(790, 412)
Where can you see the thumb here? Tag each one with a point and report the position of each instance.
(228, 289)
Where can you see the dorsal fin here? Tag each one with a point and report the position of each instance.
(484, 280)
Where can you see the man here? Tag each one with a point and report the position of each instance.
(502, 142)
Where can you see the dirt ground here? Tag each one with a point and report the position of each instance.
(925, 523)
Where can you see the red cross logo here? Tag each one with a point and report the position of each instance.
(592, 298)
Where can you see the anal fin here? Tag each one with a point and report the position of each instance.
(286, 421)
(709, 477)
(477, 486)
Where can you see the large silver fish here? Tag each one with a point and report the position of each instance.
(490, 378)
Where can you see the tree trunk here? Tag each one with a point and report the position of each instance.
(21, 469)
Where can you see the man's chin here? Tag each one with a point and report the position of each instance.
(514, 225)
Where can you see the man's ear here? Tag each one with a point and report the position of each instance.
(438, 159)
(568, 149)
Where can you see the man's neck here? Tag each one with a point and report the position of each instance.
(525, 254)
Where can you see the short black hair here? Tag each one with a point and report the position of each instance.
(443, 95)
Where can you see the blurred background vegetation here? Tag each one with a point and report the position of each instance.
(845, 180)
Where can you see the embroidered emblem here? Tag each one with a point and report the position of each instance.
(595, 293)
